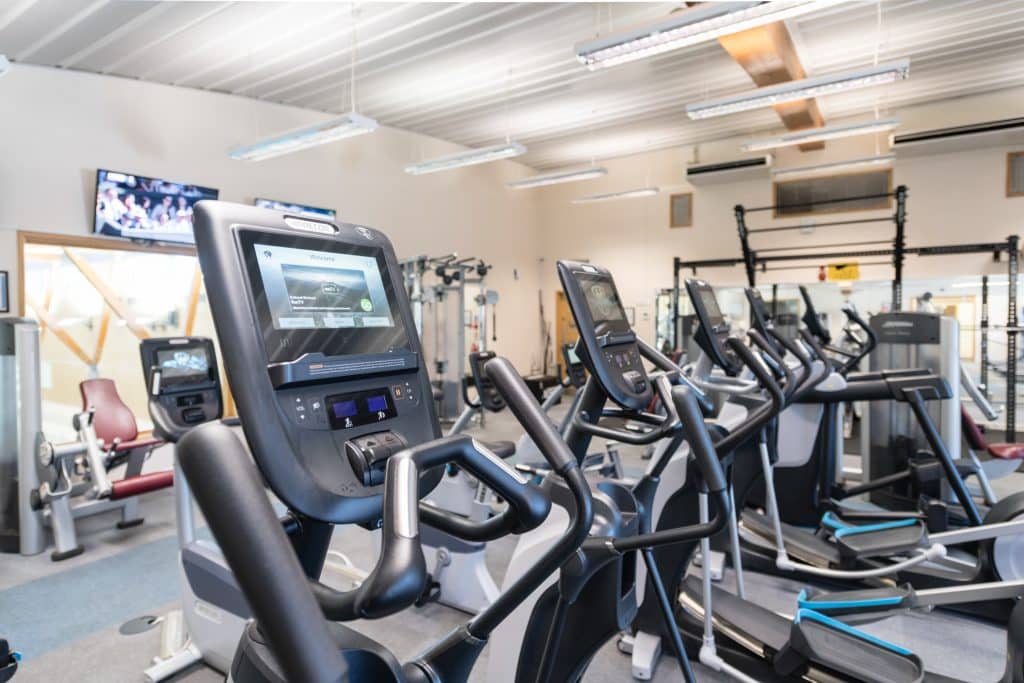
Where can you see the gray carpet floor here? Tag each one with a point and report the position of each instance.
(65, 616)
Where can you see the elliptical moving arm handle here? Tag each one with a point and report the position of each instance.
(869, 343)
(667, 365)
(779, 362)
(763, 414)
(259, 553)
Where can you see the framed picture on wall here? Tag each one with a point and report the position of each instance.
(5, 299)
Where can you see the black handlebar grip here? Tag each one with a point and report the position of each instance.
(854, 317)
(790, 345)
(806, 335)
(400, 575)
(697, 436)
(231, 495)
(527, 411)
(528, 505)
(666, 364)
(779, 361)
(761, 372)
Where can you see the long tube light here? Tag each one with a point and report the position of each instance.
(346, 126)
(481, 155)
(558, 177)
(803, 89)
(865, 162)
(705, 22)
(625, 194)
(819, 134)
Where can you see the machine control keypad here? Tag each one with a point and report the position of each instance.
(368, 454)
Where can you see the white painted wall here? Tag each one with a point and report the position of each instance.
(954, 198)
(57, 127)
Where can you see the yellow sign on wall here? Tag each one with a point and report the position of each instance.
(844, 271)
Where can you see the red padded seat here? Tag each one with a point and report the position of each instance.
(976, 440)
(113, 418)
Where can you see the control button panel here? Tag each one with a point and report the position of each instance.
(624, 360)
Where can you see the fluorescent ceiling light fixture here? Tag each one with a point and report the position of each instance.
(559, 177)
(346, 126)
(481, 155)
(699, 24)
(625, 194)
(803, 89)
(865, 162)
(5, 65)
(819, 134)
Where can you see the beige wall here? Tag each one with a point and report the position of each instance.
(954, 198)
(60, 126)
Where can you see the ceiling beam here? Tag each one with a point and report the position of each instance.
(768, 55)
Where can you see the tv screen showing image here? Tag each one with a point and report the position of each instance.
(137, 207)
(312, 211)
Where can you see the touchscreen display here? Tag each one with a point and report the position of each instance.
(183, 363)
(602, 300)
(317, 289)
(710, 301)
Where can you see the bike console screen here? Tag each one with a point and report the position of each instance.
(319, 309)
(609, 343)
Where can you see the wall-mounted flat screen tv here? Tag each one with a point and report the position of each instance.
(312, 211)
(137, 207)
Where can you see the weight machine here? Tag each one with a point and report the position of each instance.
(444, 299)
(772, 258)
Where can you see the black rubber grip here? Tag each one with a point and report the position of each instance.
(806, 335)
(777, 359)
(230, 493)
(763, 374)
(697, 436)
(527, 411)
(528, 506)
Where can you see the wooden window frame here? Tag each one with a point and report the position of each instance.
(671, 213)
(88, 242)
(775, 195)
(1009, 174)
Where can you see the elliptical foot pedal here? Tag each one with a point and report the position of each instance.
(857, 601)
(828, 642)
(873, 540)
(130, 523)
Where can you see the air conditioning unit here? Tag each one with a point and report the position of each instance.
(729, 171)
(1005, 132)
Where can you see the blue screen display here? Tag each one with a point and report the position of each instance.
(345, 409)
(376, 403)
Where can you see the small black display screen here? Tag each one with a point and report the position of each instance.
(184, 364)
(361, 408)
(602, 300)
(710, 301)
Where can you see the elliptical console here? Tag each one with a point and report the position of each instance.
(612, 352)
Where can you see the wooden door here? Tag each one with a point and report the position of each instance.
(565, 326)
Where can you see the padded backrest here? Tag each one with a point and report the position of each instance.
(972, 432)
(113, 418)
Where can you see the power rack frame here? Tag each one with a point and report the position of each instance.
(761, 260)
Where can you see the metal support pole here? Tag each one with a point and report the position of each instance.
(675, 303)
(984, 336)
(1013, 268)
(749, 260)
(899, 244)
(775, 300)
